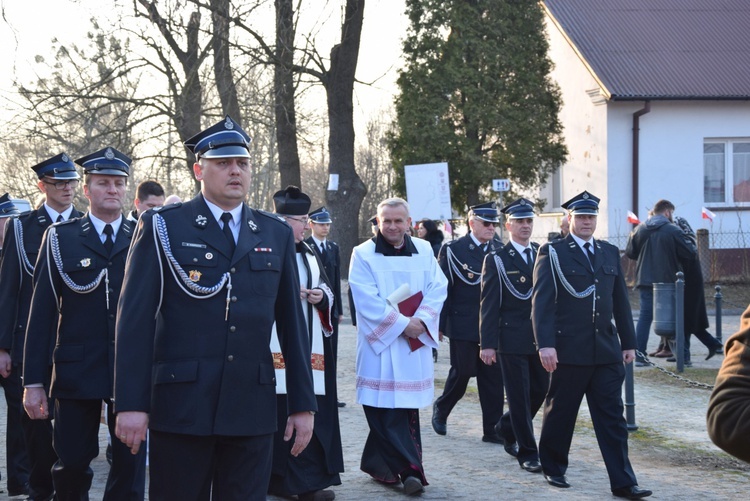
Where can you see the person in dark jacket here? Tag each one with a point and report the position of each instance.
(696, 317)
(728, 407)
(579, 297)
(428, 230)
(660, 251)
(461, 260)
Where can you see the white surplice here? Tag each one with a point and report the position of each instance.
(389, 374)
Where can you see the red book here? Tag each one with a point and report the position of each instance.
(408, 307)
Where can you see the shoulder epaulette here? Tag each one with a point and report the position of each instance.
(270, 215)
(165, 208)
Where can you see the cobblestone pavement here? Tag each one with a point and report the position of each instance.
(461, 466)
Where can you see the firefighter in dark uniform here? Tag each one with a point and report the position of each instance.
(16, 460)
(330, 256)
(461, 261)
(579, 289)
(506, 333)
(57, 180)
(205, 281)
(77, 283)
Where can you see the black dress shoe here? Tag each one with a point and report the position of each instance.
(632, 492)
(438, 422)
(511, 449)
(494, 438)
(19, 491)
(719, 350)
(340, 404)
(533, 466)
(556, 481)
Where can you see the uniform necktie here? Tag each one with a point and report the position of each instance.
(108, 239)
(226, 217)
(323, 250)
(589, 253)
(59, 218)
(529, 257)
(484, 248)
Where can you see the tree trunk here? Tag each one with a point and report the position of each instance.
(222, 62)
(346, 202)
(284, 110)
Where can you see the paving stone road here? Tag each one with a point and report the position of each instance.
(461, 466)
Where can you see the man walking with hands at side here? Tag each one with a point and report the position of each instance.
(507, 338)
(579, 288)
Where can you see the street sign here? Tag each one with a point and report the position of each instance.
(500, 184)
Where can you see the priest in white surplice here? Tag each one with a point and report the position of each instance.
(394, 377)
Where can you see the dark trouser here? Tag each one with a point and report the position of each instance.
(199, 468)
(15, 446)
(645, 317)
(76, 441)
(602, 386)
(393, 449)
(526, 384)
(42, 456)
(465, 364)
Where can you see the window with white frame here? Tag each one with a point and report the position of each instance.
(726, 171)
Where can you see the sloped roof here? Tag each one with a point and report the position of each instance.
(661, 49)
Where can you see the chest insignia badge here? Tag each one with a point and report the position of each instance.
(86, 262)
(201, 221)
(194, 275)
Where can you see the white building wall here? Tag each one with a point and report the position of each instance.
(671, 159)
(599, 138)
(584, 118)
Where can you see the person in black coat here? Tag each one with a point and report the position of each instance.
(428, 230)
(579, 289)
(205, 282)
(506, 334)
(461, 261)
(696, 316)
(57, 180)
(77, 283)
(308, 475)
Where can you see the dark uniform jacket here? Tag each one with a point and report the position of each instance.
(83, 328)
(194, 366)
(505, 322)
(461, 260)
(581, 335)
(728, 406)
(332, 266)
(16, 271)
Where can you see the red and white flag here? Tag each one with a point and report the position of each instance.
(447, 227)
(632, 218)
(707, 214)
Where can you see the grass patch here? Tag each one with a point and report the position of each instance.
(699, 375)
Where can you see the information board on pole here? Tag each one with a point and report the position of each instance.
(428, 191)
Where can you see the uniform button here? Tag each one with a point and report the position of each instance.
(110, 263)
(232, 328)
(195, 259)
(232, 270)
(597, 314)
(234, 299)
(598, 298)
(230, 358)
(596, 280)
(268, 265)
(111, 316)
(172, 376)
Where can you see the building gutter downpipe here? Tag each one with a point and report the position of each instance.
(636, 152)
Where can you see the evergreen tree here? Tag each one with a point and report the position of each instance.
(476, 93)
